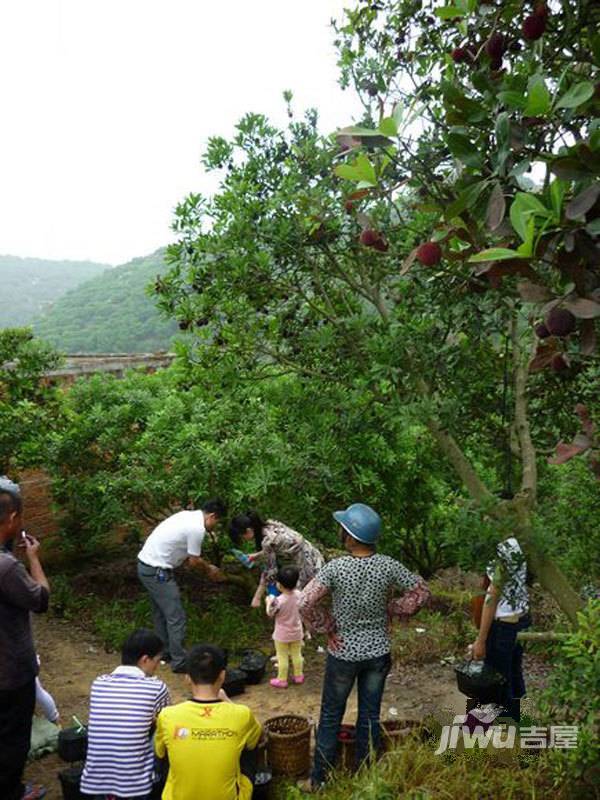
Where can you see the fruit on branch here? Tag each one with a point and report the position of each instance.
(534, 27)
(369, 237)
(558, 363)
(560, 322)
(460, 54)
(541, 10)
(495, 46)
(374, 239)
(541, 331)
(429, 254)
(184, 324)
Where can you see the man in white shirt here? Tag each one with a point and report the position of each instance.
(505, 613)
(176, 540)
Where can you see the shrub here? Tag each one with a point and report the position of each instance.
(573, 698)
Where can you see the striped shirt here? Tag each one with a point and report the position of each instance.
(123, 708)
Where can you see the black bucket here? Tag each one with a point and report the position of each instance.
(70, 780)
(262, 785)
(254, 664)
(72, 744)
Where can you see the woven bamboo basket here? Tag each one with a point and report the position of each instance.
(288, 745)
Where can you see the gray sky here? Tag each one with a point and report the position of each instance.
(108, 104)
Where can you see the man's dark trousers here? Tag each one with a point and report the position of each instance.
(167, 610)
(16, 714)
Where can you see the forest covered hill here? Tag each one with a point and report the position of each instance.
(110, 313)
(30, 286)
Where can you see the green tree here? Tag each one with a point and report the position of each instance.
(408, 256)
(28, 406)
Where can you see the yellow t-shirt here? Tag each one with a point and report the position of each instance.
(204, 742)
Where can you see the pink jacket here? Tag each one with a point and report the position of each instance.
(288, 624)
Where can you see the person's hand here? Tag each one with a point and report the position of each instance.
(334, 642)
(31, 546)
(477, 650)
(255, 602)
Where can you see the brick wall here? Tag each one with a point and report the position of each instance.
(39, 517)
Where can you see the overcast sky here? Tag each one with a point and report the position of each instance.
(107, 105)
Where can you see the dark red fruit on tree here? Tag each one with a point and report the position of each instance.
(541, 331)
(534, 27)
(381, 245)
(184, 325)
(560, 322)
(496, 64)
(558, 363)
(429, 254)
(349, 206)
(369, 237)
(495, 46)
(460, 54)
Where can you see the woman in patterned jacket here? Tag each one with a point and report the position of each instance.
(277, 545)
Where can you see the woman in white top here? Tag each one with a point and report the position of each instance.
(505, 613)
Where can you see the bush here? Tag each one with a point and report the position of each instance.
(573, 698)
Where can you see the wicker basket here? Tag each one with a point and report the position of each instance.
(288, 745)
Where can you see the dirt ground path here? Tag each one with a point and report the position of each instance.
(71, 660)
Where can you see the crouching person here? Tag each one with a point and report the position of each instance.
(123, 710)
(205, 738)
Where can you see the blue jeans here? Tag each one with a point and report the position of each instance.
(504, 653)
(339, 679)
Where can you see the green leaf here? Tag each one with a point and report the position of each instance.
(466, 199)
(512, 99)
(538, 98)
(576, 95)
(347, 172)
(361, 170)
(523, 207)
(494, 254)
(462, 149)
(449, 12)
(388, 127)
(502, 128)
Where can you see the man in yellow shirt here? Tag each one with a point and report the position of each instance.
(204, 737)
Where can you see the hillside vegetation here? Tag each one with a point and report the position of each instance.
(110, 313)
(30, 286)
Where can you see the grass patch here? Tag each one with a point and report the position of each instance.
(414, 772)
(216, 619)
(431, 636)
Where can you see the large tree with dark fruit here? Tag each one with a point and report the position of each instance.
(440, 256)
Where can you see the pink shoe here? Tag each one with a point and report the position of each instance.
(298, 678)
(278, 683)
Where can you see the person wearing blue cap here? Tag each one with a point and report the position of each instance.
(359, 585)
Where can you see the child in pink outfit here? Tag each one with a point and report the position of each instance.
(288, 634)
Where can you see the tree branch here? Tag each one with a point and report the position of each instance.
(528, 455)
